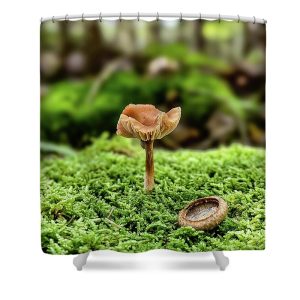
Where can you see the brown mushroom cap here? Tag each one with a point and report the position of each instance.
(145, 122)
(204, 213)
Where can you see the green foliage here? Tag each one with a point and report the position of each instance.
(63, 150)
(66, 117)
(227, 31)
(95, 199)
(188, 58)
(203, 94)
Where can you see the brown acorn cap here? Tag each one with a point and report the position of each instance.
(145, 122)
(204, 213)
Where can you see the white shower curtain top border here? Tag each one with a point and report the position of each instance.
(155, 16)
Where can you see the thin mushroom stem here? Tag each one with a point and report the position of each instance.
(149, 175)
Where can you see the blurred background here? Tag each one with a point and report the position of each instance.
(91, 70)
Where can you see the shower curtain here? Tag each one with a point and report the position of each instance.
(152, 135)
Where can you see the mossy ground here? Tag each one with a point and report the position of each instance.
(95, 199)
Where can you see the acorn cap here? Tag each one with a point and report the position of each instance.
(204, 213)
(145, 122)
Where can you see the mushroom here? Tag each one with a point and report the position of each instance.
(147, 123)
(204, 213)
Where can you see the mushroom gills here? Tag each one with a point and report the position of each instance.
(202, 211)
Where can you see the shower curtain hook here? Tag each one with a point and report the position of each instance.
(157, 17)
(82, 17)
(219, 18)
(120, 17)
(41, 20)
(265, 21)
(200, 18)
(254, 20)
(180, 17)
(66, 18)
(100, 17)
(138, 17)
(239, 18)
(53, 19)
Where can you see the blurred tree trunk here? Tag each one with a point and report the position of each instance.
(198, 34)
(155, 32)
(191, 33)
(66, 45)
(94, 46)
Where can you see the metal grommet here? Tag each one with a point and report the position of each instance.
(82, 17)
(53, 19)
(66, 18)
(180, 17)
(219, 18)
(138, 17)
(239, 19)
(100, 17)
(120, 17)
(157, 17)
(254, 20)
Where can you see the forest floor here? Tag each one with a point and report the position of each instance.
(95, 199)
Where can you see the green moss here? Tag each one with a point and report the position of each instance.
(95, 199)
